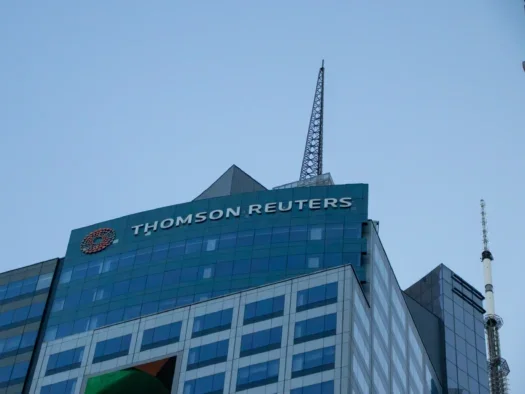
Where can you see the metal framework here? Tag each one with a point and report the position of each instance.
(497, 365)
(313, 152)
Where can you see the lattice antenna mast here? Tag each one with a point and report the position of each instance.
(313, 151)
(497, 365)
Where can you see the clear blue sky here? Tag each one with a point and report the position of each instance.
(110, 108)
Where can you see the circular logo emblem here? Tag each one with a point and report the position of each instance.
(97, 240)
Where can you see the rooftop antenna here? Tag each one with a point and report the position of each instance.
(497, 365)
(313, 151)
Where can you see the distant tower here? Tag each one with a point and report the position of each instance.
(497, 366)
(313, 151)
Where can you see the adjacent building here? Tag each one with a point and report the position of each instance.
(284, 290)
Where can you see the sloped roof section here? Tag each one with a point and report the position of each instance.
(233, 181)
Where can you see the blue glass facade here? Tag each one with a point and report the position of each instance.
(162, 260)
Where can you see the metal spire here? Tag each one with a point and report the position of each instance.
(497, 365)
(313, 151)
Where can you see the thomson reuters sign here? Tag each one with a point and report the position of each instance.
(235, 212)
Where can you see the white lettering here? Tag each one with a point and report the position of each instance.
(181, 220)
(271, 207)
(254, 208)
(301, 204)
(167, 223)
(233, 212)
(136, 228)
(217, 214)
(345, 202)
(148, 227)
(315, 203)
(288, 208)
(330, 202)
(200, 217)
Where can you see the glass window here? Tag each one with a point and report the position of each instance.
(212, 322)
(160, 253)
(115, 316)
(212, 384)
(149, 308)
(137, 284)
(5, 374)
(154, 281)
(112, 348)
(280, 234)
(64, 387)
(211, 243)
(223, 269)
(352, 230)
(143, 256)
(19, 372)
(44, 281)
(64, 361)
(161, 336)
(314, 262)
(227, 241)
(120, 288)
(259, 265)
(277, 263)
(264, 309)
(79, 271)
(334, 230)
(205, 272)
(296, 262)
(177, 249)
(316, 232)
(36, 310)
(193, 245)
(126, 260)
(317, 296)
(65, 276)
(317, 327)
(241, 267)
(213, 353)
(261, 341)
(171, 278)
(298, 233)
(263, 236)
(313, 361)
(245, 238)
(257, 375)
(319, 388)
(28, 339)
(94, 268)
(110, 264)
(189, 274)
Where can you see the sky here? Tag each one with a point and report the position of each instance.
(112, 108)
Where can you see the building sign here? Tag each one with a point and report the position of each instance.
(251, 210)
(98, 240)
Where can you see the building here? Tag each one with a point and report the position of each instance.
(272, 291)
(286, 290)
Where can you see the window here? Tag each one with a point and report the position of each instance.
(213, 353)
(264, 309)
(280, 234)
(112, 348)
(318, 327)
(64, 361)
(334, 231)
(65, 387)
(176, 249)
(263, 236)
(257, 375)
(212, 322)
(319, 388)
(316, 233)
(161, 336)
(316, 296)
(227, 241)
(261, 341)
(213, 384)
(313, 361)
(193, 245)
(13, 374)
(245, 238)
(298, 233)
(16, 317)
(160, 253)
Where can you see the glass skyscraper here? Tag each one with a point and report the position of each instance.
(286, 290)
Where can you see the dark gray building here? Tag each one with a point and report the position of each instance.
(24, 294)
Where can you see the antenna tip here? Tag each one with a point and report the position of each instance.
(322, 64)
